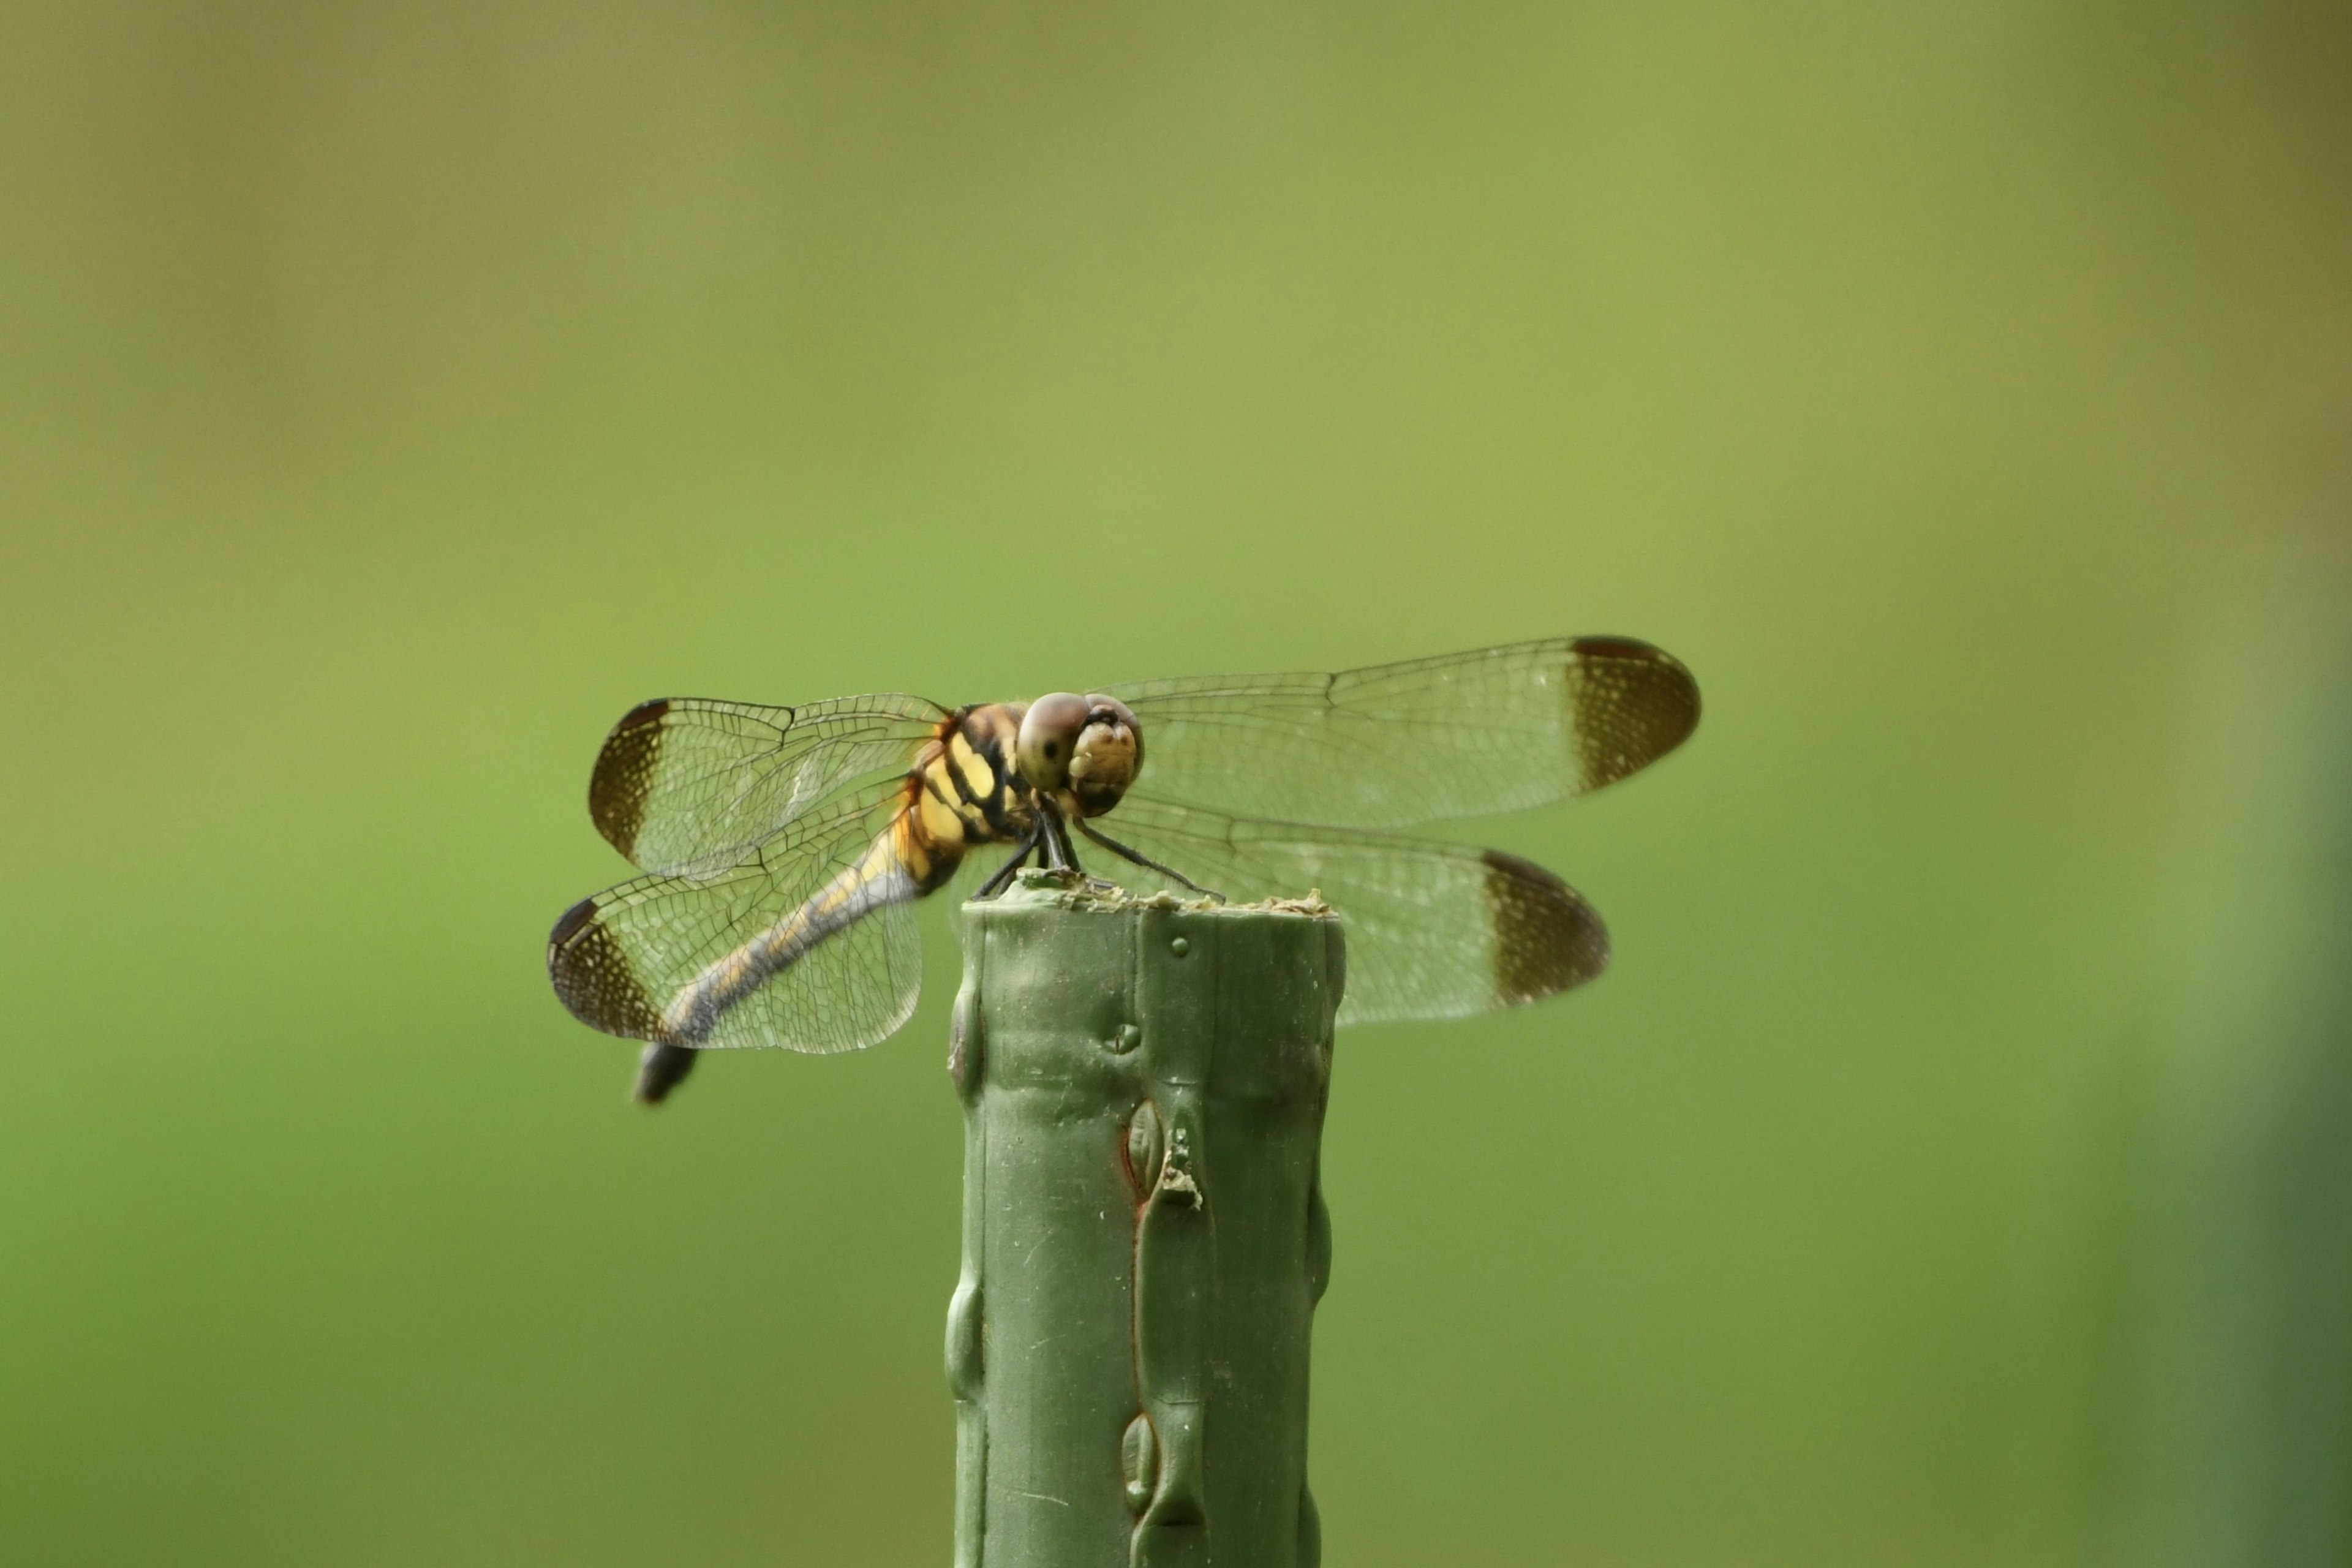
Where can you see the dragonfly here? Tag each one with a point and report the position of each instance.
(784, 848)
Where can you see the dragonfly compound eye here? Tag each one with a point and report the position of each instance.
(1049, 739)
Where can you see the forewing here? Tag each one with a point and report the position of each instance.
(689, 786)
(1434, 930)
(1466, 734)
(621, 960)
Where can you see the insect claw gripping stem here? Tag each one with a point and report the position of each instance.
(1144, 1083)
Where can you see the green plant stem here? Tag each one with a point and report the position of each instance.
(1144, 1235)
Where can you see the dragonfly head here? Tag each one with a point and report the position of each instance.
(1081, 749)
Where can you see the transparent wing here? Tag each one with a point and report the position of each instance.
(1466, 734)
(689, 786)
(810, 943)
(1434, 930)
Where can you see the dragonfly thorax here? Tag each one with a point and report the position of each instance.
(1082, 750)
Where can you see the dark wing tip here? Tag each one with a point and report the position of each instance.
(568, 925)
(625, 774)
(646, 712)
(592, 978)
(1547, 938)
(1631, 704)
(662, 1068)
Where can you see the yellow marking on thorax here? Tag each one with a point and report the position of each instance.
(941, 822)
(977, 774)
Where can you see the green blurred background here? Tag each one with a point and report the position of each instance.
(1952, 1169)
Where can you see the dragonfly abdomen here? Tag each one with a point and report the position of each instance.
(879, 879)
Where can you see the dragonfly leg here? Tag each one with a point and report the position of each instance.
(1059, 856)
(1124, 853)
(1001, 878)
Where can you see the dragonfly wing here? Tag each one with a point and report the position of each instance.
(1467, 734)
(810, 944)
(690, 785)
(1434, 930)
